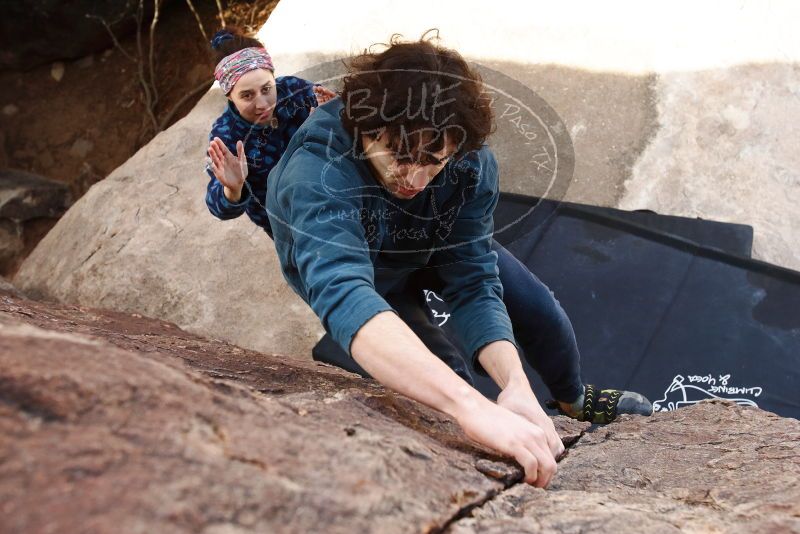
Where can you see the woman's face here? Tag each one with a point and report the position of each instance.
(254, 96)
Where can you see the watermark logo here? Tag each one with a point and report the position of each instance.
(685, 391)
(369, 185)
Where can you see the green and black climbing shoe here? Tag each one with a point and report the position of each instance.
(603, 406)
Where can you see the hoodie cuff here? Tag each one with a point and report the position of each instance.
(243, 200)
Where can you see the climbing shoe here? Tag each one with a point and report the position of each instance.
(604, 405)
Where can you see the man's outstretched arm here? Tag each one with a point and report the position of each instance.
(501, 361)
(388, 350)
(472, 289)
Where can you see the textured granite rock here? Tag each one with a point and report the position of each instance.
(9, 288)
(726, 150)
(29, 206)
(117, 423)
(711, 467)
(143, 241)
(111, 422)
(40, 31)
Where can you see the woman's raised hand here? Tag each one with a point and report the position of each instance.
(323, 94)
(230, 170)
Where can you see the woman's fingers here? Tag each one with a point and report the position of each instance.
(218, 148)
(221, 149)
(242, 160)
(323, 94)
(216, 170)
(216, 167)
(217, 161)
(212, 154)
(223, 152)
(227, 166)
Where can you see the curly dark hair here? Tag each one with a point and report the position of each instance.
(418, 93)
(231, 39)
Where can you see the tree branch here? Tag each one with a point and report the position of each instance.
(205, 85)
(197, 17)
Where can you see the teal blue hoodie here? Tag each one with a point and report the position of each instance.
(344, 241)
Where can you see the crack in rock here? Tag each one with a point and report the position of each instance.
(510, 475)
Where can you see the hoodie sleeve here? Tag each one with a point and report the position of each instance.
(219, 205)
(468, 267)
(322, 246)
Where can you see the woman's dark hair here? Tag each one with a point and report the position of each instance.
(419, 90)
(231, 39)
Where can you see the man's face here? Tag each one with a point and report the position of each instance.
(404, 175)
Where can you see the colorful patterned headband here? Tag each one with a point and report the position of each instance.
(234, 66)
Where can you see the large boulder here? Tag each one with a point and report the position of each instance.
(726, 149)
(143, 240)
(117, 423)
(713, 467)
(111, 422)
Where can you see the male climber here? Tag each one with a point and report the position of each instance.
(390, 184)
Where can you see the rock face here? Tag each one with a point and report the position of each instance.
(8, 288)
(44, 30)
(113, 423)
(29, 206)
(117, 423)
(25, 196)
(143, 240)
(726, 150)
(712, 467)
